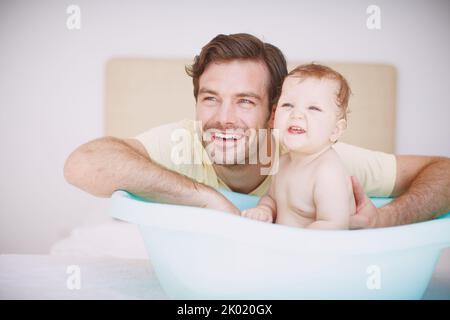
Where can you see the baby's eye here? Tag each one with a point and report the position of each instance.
(287, 105)
(314, 108)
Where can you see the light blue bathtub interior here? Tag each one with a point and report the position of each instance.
(205, 254)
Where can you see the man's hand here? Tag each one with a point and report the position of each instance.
(366, 215)
(216, 201)
(422, 191)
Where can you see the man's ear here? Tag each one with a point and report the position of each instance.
(341, 125)
(272, 116)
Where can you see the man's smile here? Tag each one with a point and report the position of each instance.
(227, 139)
(226, 136)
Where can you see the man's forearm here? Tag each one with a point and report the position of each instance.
(426, 198)
(108, 164)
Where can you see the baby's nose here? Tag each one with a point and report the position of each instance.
(297, 114)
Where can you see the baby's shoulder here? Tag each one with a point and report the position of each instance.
(331, 173)
(331, 164)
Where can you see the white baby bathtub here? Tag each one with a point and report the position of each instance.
(205, 254)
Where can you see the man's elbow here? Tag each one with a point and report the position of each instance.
(83, 168)
(76, 173)
(74, 168)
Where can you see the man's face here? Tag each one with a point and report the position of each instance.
(307, 114)
(232, 98)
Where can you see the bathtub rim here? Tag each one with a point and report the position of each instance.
(210, 222)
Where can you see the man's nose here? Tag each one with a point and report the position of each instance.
(226, 113)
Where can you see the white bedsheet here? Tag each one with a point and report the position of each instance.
(113, 238)
(45, 277)
(114, 258)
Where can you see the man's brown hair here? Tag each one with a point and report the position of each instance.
(319, 71)
(246, 47)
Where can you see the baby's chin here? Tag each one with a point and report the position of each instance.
(294, 149)
(302, 148)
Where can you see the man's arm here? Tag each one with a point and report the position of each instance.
(105, 165)
(422, 188)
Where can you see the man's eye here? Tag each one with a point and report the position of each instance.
(246, 101)
(314, 108)
(209, 99)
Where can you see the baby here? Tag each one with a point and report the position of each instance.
(311, 189)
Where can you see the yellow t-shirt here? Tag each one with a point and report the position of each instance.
(177, 147)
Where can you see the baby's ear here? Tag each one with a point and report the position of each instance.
(341, 125)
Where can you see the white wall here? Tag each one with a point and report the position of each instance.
(51, 81)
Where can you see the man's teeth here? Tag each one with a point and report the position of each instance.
(227, 136)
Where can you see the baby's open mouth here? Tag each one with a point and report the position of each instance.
(296, 130)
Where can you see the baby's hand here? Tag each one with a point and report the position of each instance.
(258, 213)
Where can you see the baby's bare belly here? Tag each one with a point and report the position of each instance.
(294, 218)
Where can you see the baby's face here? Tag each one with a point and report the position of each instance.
(307, 114)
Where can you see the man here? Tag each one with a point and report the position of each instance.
(237, 79)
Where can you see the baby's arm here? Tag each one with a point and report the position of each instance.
(333, 198)
(266, 209)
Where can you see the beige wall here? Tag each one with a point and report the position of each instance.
(145, 93)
